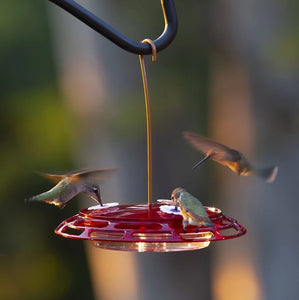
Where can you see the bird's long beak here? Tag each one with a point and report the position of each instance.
(96, 197)
(99, 197)
(200, 162)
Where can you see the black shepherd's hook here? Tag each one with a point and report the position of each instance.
(119, 39)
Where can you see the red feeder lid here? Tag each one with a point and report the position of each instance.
(143, 228)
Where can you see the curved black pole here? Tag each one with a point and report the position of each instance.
(119, 39)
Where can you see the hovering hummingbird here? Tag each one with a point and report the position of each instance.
(228, 157)
(191, 208)
(71, 184)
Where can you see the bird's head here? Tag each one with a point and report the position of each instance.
(93, 191)
(176, 195)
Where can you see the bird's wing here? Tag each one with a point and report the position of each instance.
(193, 206)
(210, 148)
(97, 174)
(52, 177)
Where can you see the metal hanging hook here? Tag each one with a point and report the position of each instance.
(84, 15)
(153, 46)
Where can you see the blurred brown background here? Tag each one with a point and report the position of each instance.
(71, 99)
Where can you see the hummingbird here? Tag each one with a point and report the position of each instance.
(226, 156)
(71, 184)
(191, 208)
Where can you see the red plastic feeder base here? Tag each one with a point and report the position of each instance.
(143, 228)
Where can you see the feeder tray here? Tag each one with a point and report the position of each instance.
(146, 228)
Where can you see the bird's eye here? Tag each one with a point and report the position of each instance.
(95, 189)
(172, 197)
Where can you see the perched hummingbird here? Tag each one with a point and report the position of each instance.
(71, 184)
(228, 157)
(191, 208)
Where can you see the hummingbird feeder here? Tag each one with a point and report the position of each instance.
(147, 227)
(144, 228)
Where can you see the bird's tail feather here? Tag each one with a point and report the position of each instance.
(208, 222)
(204, 220)
(31, 199)
(48, 201)
(35, 199)
(269, 174)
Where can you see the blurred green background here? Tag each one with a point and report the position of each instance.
(70, 99)
(35, 134)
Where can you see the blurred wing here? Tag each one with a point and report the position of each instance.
(52, 177)
(209, 147)
(99, 174)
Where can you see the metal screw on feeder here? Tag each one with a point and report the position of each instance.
(142, 227)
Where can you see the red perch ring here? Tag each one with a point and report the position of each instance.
(143, 228)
